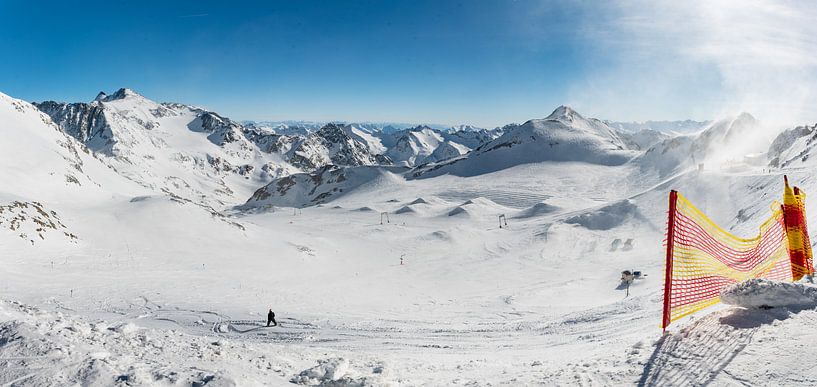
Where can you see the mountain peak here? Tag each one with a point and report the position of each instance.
(122, 93)
(564, 113)
(744, 116)
(331, 130)
(420, 128)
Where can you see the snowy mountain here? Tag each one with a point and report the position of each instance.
(644, 139)
(46, 172)
(42, 162)
(423, 144)
(411, 147)
(563, 136)
(666, 127)
(473, 137)
(290, 128)
(173, 148)
(333, 144)
(723, 143)
(325, 184)
(191, 152)
(793, 147)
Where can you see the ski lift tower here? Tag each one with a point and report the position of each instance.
(502, 219)
(384, 215)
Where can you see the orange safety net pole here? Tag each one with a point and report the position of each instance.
(673, 198)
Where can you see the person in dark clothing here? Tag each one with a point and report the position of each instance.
(271, 318)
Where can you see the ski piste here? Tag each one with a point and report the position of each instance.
(159, 262)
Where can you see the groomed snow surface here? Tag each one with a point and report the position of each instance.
(116, 277)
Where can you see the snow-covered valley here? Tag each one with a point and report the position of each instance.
(148, 249)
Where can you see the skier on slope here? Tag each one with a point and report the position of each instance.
(271, 318)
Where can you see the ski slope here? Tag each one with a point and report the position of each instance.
(159, 290)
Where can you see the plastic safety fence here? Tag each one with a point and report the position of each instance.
(702, 258)
(794, 215)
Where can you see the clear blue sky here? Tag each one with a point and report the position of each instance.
(480, 62)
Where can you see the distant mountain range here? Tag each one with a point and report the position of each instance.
(205, 158)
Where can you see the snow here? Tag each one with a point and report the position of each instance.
(563, 136)
(765, 293)
(607, 217)
(161, 289)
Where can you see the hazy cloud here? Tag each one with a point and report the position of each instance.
(701, 58)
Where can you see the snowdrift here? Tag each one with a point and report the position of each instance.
(67, 351)
(537, 209)
(607, 217)
(478, 207)
(756, 293)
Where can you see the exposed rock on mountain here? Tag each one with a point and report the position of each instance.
(325, 184)
(793, 147)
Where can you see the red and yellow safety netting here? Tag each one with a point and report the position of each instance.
(703, 258)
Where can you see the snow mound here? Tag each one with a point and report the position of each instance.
(485, 203)
(761, 292)
(607, 217)
(537, 210)
(364, 209)
(327, 370)
(439, 235)
(479, 207)
(337, 371)
(459, 210)
(405, 210)
(419, 201)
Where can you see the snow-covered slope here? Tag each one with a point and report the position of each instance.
(722, 144)
(158, 290)
(45, 171)
(172, 148)
(325, 184)
(413, 146)
(40, 161)
(646, 138)
(793, 147)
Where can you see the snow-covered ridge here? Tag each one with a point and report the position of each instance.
(563, 136)
(721, 144)
(668, 127)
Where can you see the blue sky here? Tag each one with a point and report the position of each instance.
(478, 62)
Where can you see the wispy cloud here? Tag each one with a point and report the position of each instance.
(755, 56)
(195, 15)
